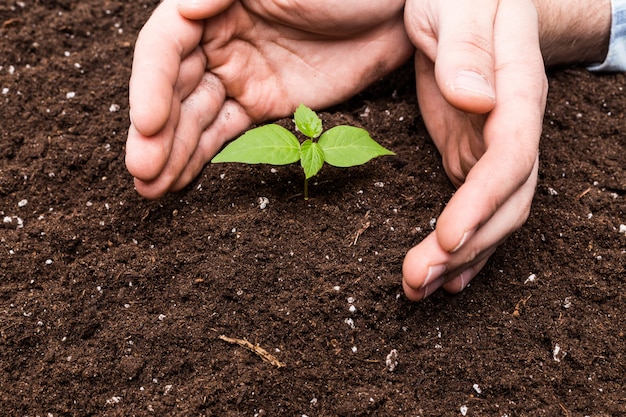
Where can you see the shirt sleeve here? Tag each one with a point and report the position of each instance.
(616, 57)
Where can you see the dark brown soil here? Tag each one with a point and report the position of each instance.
(111, 305)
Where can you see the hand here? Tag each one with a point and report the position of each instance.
(481, 88)
(204, 71)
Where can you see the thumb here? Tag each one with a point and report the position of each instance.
(202, 9)
(465, 61)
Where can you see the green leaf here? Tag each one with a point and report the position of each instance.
(308, 121)
(311, 158)
(346, 146)
(269, 144)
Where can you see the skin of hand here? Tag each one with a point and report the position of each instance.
(482, 89)
(204, 71)
(574, 31)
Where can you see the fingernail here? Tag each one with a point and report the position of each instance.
(474, 83)
(432, 287)
(464, 238)
(434, 272)
(466, 276)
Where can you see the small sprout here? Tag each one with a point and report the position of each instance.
(340, 146)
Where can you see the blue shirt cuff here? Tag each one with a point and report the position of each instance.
(616, 57)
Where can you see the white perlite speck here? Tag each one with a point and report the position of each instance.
(113, 400)
(531, 278)
(263, 202)
(557, 353)
(392, 360)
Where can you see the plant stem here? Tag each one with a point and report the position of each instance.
(306, 188)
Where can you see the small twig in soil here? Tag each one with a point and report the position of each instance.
(362, 229)
(565, 411)
(264, 354)
(584, 193)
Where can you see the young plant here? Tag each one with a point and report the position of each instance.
(340, 146)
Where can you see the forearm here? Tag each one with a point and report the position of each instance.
(574, 31)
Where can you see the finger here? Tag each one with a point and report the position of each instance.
(456, 134)
(452, 285)
(462, 280)
(146, 156)
(464, 264)
(330, 18)
(424, 268)
(419, 294)
(198, 9)
(230, 122)
(465, 54)
(436, 113)
(163, 43)
(197, 113)
(491, 183)
(428, 265)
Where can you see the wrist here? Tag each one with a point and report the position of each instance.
(574, 31)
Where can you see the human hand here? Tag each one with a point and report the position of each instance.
(481, 88)
(204, 71)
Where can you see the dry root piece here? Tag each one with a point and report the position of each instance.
(520, 303)
(264, 354)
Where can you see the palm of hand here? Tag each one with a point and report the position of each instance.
(270, 58)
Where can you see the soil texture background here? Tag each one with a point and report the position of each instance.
(112, 305)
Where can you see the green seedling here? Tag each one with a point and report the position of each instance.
(340, 146)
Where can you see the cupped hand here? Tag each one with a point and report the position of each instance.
(203, 71)
(481, 88)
